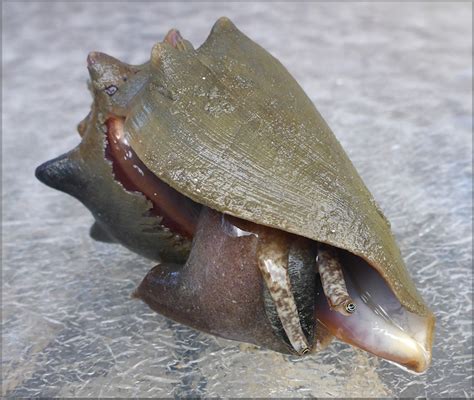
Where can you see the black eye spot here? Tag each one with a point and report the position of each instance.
(111, 90)
(125, 79)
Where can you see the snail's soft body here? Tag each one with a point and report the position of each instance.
(215, 163)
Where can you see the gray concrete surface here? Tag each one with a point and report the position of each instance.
(394, 81)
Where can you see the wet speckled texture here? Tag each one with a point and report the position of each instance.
(394, 83)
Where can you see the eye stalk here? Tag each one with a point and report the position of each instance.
(332, 280)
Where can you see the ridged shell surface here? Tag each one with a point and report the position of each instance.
(229, 127)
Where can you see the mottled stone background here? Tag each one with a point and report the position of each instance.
(394, 81)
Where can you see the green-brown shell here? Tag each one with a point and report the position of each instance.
(229, 127)
(86, 173)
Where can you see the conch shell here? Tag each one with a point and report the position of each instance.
(215, 162)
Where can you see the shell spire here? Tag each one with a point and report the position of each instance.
(174, 38)
(61, 173)
(105, 69)
(223, 24)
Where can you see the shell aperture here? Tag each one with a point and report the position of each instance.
(380, 325)
(177, 212)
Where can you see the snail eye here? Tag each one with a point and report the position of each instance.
(111, 90)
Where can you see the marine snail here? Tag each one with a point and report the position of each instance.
(215, 163)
